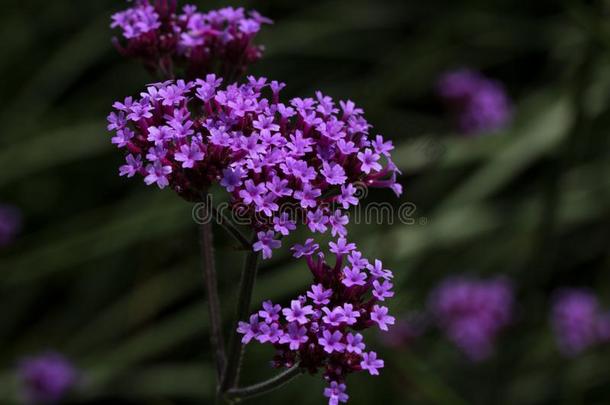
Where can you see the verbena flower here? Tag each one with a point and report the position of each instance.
(321, 329)
(282, 164)
(10, 224)
(578, 321)
(47, 378)
(164, 38)
(477, 103)
(472, 312)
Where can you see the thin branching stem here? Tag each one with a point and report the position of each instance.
(231, 228)
(265, 386)
(244, 297)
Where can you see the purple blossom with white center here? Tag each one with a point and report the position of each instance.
(266, 243)
(371, 363)
(332, 341)
(380, 316)
(336, 393)
(297, 312)
(353, 276)
(294, 336)
(10, 224)
(355, 343)
(320, 295)
(46, 378)
(270, 312)
(473, 312)
(478, 104)
(189, 155)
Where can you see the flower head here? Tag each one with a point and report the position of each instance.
(46, 378)
(478, 104)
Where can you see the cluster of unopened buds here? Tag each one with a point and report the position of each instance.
(166, 39)
(303, 161)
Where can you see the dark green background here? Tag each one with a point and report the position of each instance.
(106, 269)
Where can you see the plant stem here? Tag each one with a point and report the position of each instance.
(265, 386)
(211, 289)
(230, 227)
(244, 297)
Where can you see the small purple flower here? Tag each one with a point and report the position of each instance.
(189, 155)
(270, 333)
(355, 343)
(369, 161)
(349, 314)
(341, 247)
(157, 173)
(266, 243)
(270, 313)
(371, 363)
(306, 249)
(333, 173)
(295, 336)
(347, 196)
(250, 329)
(316, 221)
(381, 291)
(353, 276)
(46, 378)
(297, 312)
(252, 193)
(334, 317)
(575, 319)
(380, 316)
(337, 223)
(231, 178)
(283, 224)
(336, 393)
(320, 295)
(133, 166)
(331, 342)
(307, 196)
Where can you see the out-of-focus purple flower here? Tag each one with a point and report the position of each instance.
(10, 224)
(47, 378)
(165, 39)
(477, 103)
(577, 320)
(473, 312)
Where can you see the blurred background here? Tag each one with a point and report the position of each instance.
(106, 270)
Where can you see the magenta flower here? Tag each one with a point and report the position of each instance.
(46, 378)
(472, 312)
(165, 39)
(371, 363)
(478, 104)
(266, 243)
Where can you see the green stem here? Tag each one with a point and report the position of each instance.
(244, 297)
(211, 289)
(266, 386)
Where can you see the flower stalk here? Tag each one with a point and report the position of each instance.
(264, 387)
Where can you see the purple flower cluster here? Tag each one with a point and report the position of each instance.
(10, 224)
(477, 103)
(217, 41)
(282, 164)
(578, 321)
(47, 378)
(472, 312)
(321, 329)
